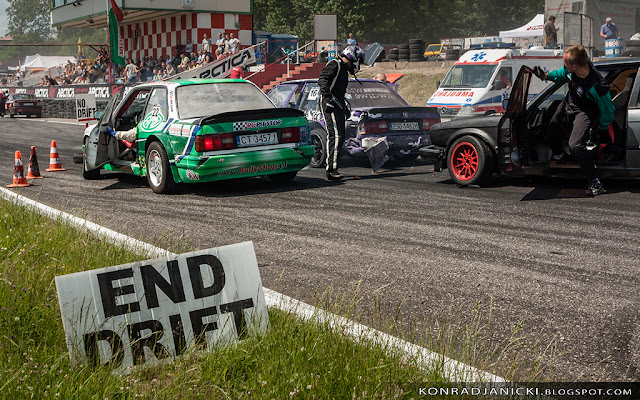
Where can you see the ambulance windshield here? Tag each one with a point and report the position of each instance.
(469, 76)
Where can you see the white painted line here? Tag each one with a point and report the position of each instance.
(453, 370)
(57, 122)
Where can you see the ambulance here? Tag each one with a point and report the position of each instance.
(481, 79)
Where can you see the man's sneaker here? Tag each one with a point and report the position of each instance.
(595, 188)
(334, 175)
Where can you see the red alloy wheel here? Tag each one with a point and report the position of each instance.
(464, 161)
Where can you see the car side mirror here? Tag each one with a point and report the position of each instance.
(438, 83)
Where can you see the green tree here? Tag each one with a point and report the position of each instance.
(29, 17)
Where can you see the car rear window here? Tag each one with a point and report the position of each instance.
(24, 96)
(205, 100)
(373, 94)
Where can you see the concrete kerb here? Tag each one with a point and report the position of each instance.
(453, 370)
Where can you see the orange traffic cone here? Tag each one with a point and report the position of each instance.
(34, 170)
(18, 173)
(54, 159)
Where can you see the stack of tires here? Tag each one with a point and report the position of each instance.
(453, 54)
(393, 54)
(416, 49)
(403, 52)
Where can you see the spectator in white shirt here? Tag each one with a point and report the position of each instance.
(206, 43)
(233, 44)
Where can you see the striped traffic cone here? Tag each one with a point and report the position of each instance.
(19, 179)
(34, 170)
(54, 159)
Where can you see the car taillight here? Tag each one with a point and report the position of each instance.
(214, 142)
(373, 127)
(428, 123)
(291, 135)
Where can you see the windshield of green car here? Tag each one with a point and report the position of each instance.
(205, 100)
(469, 76)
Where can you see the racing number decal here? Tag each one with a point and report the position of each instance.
(153, 120)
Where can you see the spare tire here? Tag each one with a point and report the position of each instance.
(416, 41)
(403, 46)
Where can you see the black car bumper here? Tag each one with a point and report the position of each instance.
(435, 154)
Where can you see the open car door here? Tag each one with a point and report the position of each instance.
(96, 146)
(508, 153)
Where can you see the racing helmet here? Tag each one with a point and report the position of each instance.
(355, 55)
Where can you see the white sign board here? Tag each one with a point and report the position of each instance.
(222, 68)
(151, 311)
(325, 27)
(85, 107)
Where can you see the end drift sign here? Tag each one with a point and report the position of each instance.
(152, 311)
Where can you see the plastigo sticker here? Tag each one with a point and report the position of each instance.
(243, 126)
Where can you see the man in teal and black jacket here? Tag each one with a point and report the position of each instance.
(586, 108)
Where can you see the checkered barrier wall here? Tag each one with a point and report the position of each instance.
(160, 37)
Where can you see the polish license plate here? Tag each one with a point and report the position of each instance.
(27, 104)
(257, 139)
(405, 126)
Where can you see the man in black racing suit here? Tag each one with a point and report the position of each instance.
(333, 82)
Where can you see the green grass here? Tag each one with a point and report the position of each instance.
(293, 359)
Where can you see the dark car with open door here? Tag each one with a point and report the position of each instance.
(517, 143)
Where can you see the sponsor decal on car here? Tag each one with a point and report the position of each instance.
(175, 129)
(254, 169)
(194, 176)
(243, 126)
(153, 120)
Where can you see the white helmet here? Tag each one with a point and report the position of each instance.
(355, 55)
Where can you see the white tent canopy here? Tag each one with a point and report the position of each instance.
(44, 62)
(533, 28)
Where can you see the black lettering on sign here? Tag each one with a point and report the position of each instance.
(237, 308)
(152, 279)
(91, 340)
(152, 341)
(109, 294)
(177, 331)
(195, 273)
(200, 328)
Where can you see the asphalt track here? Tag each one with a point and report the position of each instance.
(540, 252)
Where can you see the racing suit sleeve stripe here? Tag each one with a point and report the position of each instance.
(558, 75)
(605, 105)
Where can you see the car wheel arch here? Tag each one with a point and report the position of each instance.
(477, 133)
(154, 138)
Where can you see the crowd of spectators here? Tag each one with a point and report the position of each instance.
(187, 57)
